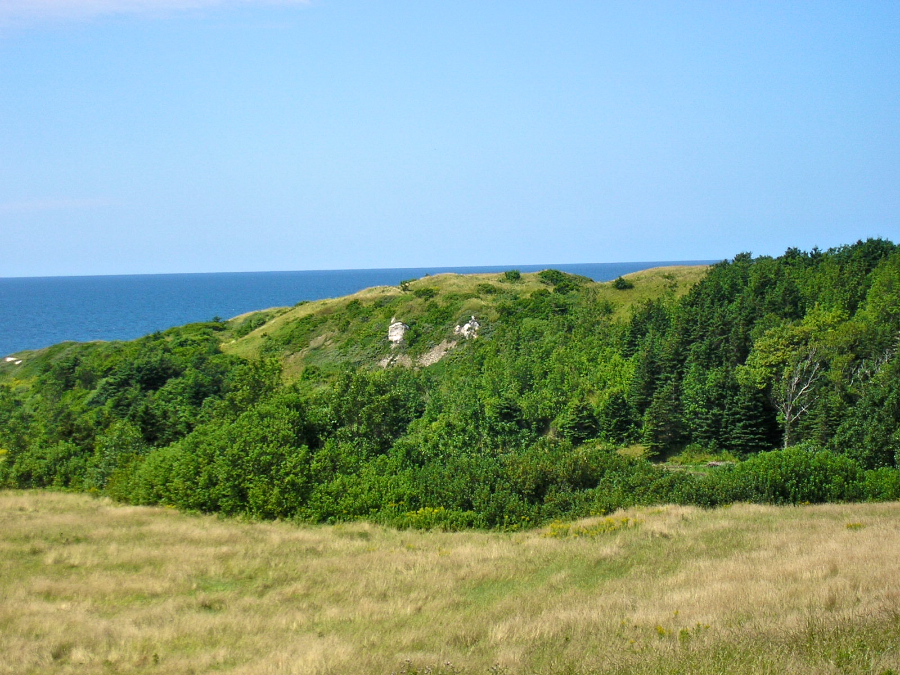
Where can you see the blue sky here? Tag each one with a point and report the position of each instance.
(143, 136)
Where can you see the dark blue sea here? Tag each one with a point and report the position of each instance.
(36, 312)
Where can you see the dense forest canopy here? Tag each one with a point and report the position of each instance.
(786, 368)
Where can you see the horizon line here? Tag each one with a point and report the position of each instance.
(537, 266)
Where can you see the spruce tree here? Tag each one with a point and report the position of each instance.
(749, 422)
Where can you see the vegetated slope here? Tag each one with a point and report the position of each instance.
(352, 330)
(91, 587)
(310, 412)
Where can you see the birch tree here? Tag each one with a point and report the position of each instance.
(797, 392)
(788, 361)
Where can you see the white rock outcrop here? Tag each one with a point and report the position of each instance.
(396, 331)
(468, 329)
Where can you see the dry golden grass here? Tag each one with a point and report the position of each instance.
(93, 587)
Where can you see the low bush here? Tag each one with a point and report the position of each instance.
(882, 485)
(791, 476)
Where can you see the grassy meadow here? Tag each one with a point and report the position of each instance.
(89, 586)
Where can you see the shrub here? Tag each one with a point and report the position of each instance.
(486, 289)
(113, 449)
(60, 465)
(250, 324)
(562, 283)
(882, 484)
(791, 476)
(425, 293)
(622, 284)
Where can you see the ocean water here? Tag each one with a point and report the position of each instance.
(36, 312)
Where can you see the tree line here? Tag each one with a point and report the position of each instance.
(787, 365)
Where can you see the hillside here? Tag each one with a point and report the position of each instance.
(353, 329)
(91, 587)
(773, 380)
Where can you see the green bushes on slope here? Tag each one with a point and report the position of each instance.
(513, 429)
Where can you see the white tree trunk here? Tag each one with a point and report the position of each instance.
(796, 394)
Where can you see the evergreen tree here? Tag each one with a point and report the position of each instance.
(750, 423)
(663, 431)
(615, 420)
(578, 422)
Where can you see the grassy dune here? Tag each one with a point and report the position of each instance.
(88, 586)
(333, 338)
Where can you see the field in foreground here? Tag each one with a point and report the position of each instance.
(88, 586)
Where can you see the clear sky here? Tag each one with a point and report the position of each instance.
(143, 136)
